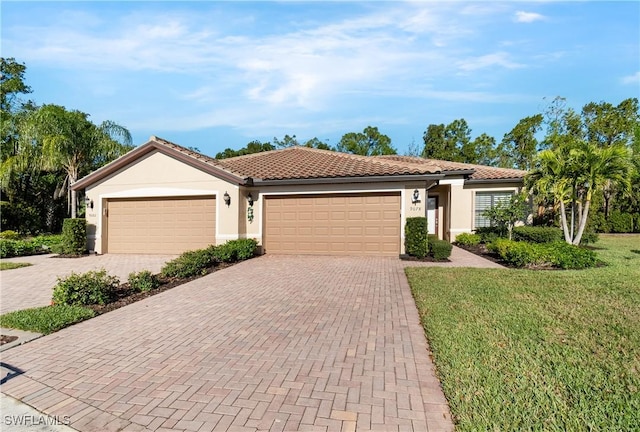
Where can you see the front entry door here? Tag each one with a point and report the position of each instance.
(432, 215)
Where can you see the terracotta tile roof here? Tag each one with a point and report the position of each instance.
(308, 163)
(188, 152)
(303, 163)
(480, 172)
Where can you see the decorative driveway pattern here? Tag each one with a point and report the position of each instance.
(32, 286)
(274, 343)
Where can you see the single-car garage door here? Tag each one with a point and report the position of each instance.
(160, 225)
(340, 224)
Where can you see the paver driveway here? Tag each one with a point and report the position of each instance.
(274, 343)
(32, 286)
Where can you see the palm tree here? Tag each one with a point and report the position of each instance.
(549, 181)
(601, 167)
(572, 172)
(68, 140)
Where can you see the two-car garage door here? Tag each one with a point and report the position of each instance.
(333, 224)
(167, 225)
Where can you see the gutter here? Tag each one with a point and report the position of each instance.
(491, 181)
(345, 180)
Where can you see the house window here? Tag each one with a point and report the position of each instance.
(487, 200)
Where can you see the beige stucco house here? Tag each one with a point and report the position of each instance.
(164, 198)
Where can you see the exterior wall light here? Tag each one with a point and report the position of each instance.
(250, 199)
(89, 202)
(227, 199)
(415, 198)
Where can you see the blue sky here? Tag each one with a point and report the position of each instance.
(220, 74)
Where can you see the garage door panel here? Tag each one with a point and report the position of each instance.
(160, 225)
(342, 224)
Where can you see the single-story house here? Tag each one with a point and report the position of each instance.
(165, 198)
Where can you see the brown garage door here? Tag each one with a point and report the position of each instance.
(341, 224)
(160, 225)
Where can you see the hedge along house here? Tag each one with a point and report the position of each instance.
(164, 198)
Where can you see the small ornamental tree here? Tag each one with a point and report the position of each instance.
(505, 214)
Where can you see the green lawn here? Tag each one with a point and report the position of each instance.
(4, 265)
(46, 319)
(538, 350)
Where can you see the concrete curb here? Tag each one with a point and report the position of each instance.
(23, 337)
(20, 417)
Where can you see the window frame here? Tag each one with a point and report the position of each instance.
(495, 197)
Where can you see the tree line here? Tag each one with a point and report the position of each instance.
(47, 148)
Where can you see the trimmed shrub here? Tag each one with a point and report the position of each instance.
(9, 235)
(235, 250)
(537, 234)
(93, 287)
(500, 246)
(36, 245)
(555, 254)
(74, 236)
(523, 254)
(245, 248)
(143, 281)
(589, 237)
(467, 239)
(225, 253)
(440, 249)
(190, 263)
(620, 222)
(7, 248)
(415, 237)
(196, 262)
(567, 256)
(48, 241)
(489, 234)
(14, 248)
(598, 223)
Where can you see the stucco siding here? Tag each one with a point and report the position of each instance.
(156, 175)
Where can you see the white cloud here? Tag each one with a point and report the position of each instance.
(201, 71)
(500, 59)
(632, 79)
(528, 17)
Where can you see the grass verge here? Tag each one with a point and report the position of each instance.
(47, 319)
(537, 350)
(4, 265)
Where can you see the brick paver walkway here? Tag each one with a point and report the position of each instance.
(274, 343)
(32, 286)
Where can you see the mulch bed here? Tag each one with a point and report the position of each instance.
(481, 250)
(124, 295)
(425, 259)
(6, 339)
(70, 256)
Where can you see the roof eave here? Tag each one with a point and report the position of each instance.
(498, 180)
(343, 180)
(149, 147)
